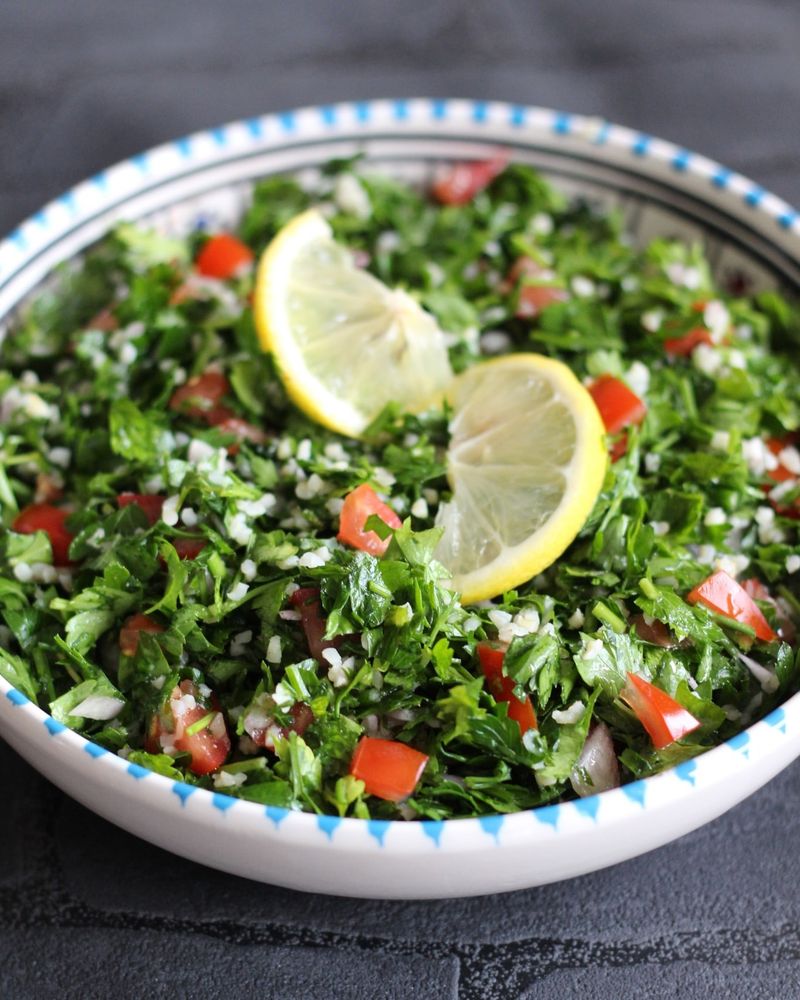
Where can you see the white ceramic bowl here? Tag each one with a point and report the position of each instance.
(751, 236)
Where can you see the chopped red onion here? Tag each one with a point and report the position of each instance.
(597, 768)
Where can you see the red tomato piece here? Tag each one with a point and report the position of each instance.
(227, 422)
(491, 656)
(105, 321)
(189, 548)
(170, 729)
(306, 601)
(209, 746)
(302, 717)
(389, 769)
(721, 593)
(223, 256)
(131, 629)
(458, 185)
(682, 346)
(358, 507)
(45, 517)
(150, 503)
(618, 406)
(663, 718)
(199, 397)
(534, 299)
(781, 474)
(618, 448)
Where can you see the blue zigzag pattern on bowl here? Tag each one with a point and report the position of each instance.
(138, 772)
(548, 815)
(636, 791)
(681, 160)
(686, 771)
(16, 697)
(438, 109)
(588, 806)
(741, 743)
(222, 802)
(53, 727)
(183, 791)
(492, 825)
(482, 112)
(433, 828)
(777, 719)
(378, 828)
(276, 814)
(328, 825)
(722, 177)
(95, 750)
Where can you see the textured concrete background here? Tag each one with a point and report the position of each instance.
(87, 911)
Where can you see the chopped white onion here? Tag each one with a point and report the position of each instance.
(101, 707)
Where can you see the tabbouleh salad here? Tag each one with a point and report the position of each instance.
(178, 584)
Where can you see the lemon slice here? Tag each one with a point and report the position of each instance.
(345, 344)
(526, 463)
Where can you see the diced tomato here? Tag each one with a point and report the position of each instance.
(223, 256)
(228, 423)
(104, 321)
(491, 656)
(199, 397)
(663, 718)
(389, 769)
(189, 548)
(618, 448)
(150, 503)
(302, 717)
(776, 446)
(721, 593)
(242, 430)
(781, 474)
(306, 601)
(45, 517)
(618, 406)
(682, 346)
(534, 296)
(534, 299)
(131, 629)
(458, 185)
(208, 747)
(358, 507)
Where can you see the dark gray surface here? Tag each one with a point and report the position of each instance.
(86, 910)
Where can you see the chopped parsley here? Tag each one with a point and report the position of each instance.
(192, 569)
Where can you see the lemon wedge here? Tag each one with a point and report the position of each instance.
(526, 463)
(345, 343)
